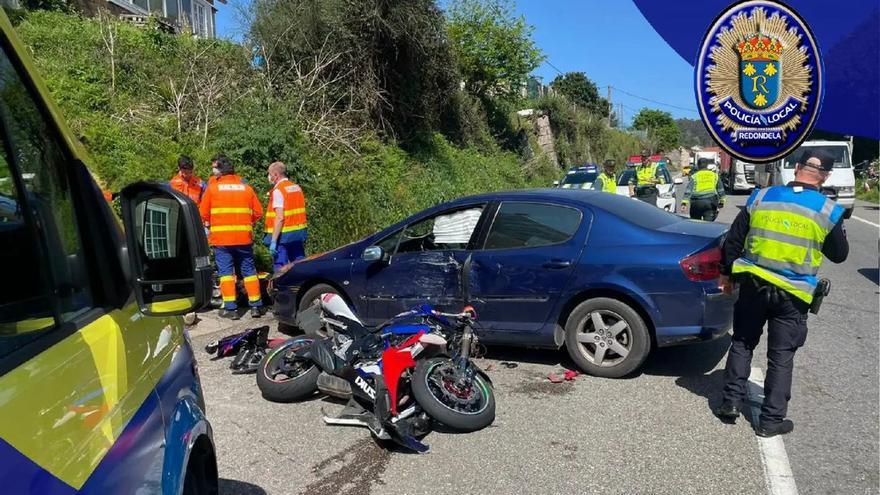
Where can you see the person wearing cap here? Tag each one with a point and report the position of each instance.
(773, 251)
(606, 181)
(186, 181)
(704, 193)
(229, 209)
(648, 175)
(286, 227)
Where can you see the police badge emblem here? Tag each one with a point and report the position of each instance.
(759, 80)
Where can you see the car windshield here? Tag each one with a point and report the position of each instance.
(628, 175)
(840, 154)
(580, 177)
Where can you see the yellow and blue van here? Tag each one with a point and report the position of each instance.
(99, 389)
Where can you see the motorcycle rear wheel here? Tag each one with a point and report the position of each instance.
(281, 380)
(465, 410)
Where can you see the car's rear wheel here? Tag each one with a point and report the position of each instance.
(310, 297)
(606, 337)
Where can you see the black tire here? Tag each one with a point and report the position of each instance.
(442, 413)
(848, 212)
(310, 297)
(636, 340)
(287, 389)
(201, 471)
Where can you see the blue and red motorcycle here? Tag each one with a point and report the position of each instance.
(399, 378)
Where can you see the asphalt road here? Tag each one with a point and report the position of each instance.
(651, 433)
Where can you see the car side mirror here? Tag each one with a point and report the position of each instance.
(374, 253)
(678, 180)
(167, 250)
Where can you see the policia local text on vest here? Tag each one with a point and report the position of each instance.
(704, 193)
(774, 250)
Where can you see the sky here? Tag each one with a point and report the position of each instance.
(610, 41)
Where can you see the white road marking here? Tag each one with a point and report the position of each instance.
(865, 221)
(777, 471)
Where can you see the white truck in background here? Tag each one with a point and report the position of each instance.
(841, 185)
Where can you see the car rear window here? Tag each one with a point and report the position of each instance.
(519, 225)
(641, 213)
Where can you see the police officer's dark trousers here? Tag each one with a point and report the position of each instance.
(786, 318)
(704, 208)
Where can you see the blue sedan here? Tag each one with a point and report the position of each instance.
(606, 276)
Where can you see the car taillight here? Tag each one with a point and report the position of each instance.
(703, 266)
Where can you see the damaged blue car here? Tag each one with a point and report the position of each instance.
(607, 277)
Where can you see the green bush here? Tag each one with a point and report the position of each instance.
(871, 193)
(132, 134)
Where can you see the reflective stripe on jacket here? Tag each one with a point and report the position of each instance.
(295, 226)
(787, 228)
(230, 208)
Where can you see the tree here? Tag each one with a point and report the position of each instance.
(662, 132)
(494, 49)
(579, 89)
(693, 133)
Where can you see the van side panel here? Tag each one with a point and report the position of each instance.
(66, 408)
(22, 475)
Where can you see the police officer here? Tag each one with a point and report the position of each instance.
(704, 193)
(772, 251)
(648, 175)
(606, 181)
(229, 208)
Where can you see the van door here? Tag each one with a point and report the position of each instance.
(77, 368)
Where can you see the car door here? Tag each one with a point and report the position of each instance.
(423, 266)
(524, 263)
(76, 368)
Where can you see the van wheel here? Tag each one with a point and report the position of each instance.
(201, 471)
(848, 212)
(310, 297)
(606, 337)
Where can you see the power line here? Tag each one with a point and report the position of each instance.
(654, 101)
(547, 61)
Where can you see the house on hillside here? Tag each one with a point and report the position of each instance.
(175, 15)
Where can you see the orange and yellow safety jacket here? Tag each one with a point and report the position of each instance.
(295, 226)
(230, 208)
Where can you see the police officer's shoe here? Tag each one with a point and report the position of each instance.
(229, 314)
(771, 430)
(258, 312)
(728, 411)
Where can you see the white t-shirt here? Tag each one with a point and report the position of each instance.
(277, 199)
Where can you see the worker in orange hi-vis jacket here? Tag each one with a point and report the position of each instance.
(286, 227)
(229, 209)
(186, 181)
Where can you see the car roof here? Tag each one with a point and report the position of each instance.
(582, 196)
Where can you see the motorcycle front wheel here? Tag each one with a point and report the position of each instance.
(462, 407)
(284, 377)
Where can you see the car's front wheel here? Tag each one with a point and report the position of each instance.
(309, 298)
(606, 337)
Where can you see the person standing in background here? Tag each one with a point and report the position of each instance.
(186, 181)
(286, 226)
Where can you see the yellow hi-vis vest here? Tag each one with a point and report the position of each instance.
(705, 181)
(787, 229)
(647, 174)
(609, 183)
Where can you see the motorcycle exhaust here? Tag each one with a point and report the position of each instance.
(334, 386)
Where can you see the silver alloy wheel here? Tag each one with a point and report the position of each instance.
(605, 338)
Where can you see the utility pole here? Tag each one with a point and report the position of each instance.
(610, 105)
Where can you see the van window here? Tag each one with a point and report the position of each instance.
(41, 250)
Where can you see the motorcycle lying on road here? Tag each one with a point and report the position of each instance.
(400, 377)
